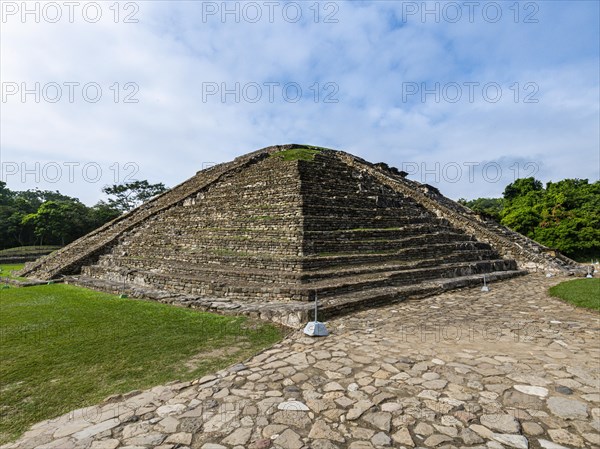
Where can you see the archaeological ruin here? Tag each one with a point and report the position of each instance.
(264, 233)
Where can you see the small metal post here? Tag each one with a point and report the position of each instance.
(123, 294)
(316, 328)
(485, 288)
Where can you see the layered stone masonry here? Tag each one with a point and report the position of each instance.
(528, 253)
(281, 230)
(262, 228)
(88, 248)
(208, 244)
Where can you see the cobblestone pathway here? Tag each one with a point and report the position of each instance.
(507, 368)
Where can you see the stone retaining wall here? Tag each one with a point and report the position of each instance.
(87, 249)
(528, 253)
(262, 228)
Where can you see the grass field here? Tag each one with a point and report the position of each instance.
(63, 347)
(7, 269)
(579, 292)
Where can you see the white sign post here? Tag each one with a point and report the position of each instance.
(316, 328)
(485, 287)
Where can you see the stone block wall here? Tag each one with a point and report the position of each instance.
(280, 230)
(528, 253)
(261, 228)
(87, 249)
(234, 239)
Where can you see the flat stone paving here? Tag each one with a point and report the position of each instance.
(507, 368)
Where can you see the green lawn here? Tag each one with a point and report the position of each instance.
(26, 250)
(579, 292)
(7, 269)
(63, 347)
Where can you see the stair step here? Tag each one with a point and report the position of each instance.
(297, 313)
(378, 297)
(212, 270)
(229, 286)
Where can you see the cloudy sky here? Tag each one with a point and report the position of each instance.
(466, 96)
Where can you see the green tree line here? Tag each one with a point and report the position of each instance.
(563, 215)
(43, 217)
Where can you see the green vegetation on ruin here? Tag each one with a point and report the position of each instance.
(63, 347)
(225, 252)
(579, 292)
(298, 154)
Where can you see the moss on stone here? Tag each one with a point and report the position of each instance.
(298, 154)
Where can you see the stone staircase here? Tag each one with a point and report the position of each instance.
(308, 227)
(367, 243)
(528, 253)
(262, 229)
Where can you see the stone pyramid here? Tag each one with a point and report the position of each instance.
(286, 222)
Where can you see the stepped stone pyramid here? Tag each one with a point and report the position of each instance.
(277, 225)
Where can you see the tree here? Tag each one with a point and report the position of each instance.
(13, 208)
(571, 218)
(59, 222)
(101, 213)
(522, 219)
(132, 194)
(6, 195)
(522, 187)
(8, 232)
(487, 207)
(44, 217)
(564, 215)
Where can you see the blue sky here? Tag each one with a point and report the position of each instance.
(464, 99)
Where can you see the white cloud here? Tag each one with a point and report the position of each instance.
(171, 132)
